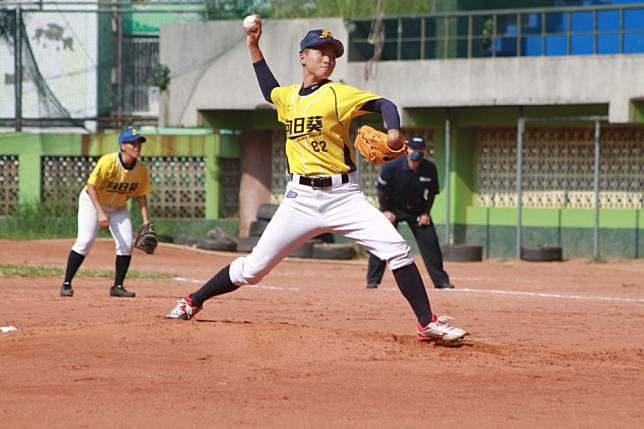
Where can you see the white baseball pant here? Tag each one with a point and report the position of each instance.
(307, 212)
(118, 218)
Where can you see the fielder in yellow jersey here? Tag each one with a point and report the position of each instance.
(115, 184)
(102, 203)
(323, 194)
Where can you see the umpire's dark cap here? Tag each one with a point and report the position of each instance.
(316, 38)
(129, 135)
(417, 142)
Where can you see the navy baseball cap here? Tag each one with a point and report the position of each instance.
(316, 38)
(417, 142)
(129, 135)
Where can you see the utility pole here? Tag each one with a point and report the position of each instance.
(17, 71)
(117, 82)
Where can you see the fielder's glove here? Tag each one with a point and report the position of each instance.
(372, 144)
(146, 238)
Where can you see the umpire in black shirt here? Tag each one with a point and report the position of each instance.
(406, 191)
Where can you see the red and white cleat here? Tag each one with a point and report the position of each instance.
(439, 330)
(184, 310)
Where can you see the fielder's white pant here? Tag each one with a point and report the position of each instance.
(118, 218)
(306, 213)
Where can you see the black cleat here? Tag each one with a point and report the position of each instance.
(121, 292)
(66, 290)
(372, 285)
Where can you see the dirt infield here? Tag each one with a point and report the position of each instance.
(551, 345)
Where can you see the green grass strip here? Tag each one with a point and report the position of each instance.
(7, 270)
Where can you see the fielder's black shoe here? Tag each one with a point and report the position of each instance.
(444, 286)
(66, 290)
(372, 285)
(121, 292)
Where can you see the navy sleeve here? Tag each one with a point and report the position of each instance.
(384, 187)
(265, 78)
(388, 110)
(383, 200)
(386, 176)
(435, 187)
(429, 203)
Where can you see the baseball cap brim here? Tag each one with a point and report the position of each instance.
(337, 45)
(132, 139)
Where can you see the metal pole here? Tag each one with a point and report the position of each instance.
(448, 153)
(519, 178)
(469, 36)
(596, 190)
(119, 70)
(17, 71)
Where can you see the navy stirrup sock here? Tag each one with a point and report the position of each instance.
(74, 262)
(219, 284)
(122, 265)
(411, 285)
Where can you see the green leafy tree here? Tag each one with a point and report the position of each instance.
(160, 77)
(235, 9)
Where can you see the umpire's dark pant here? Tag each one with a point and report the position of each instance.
(429, 249)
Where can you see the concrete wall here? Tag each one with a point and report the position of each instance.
(211, 70)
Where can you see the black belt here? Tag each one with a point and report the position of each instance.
(321, 182)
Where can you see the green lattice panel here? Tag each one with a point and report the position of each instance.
(63, 177)
(179, 186)
(8, 184)
(230, 176)
(558, 167)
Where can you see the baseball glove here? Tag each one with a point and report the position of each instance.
(372, 144)
(146, 238)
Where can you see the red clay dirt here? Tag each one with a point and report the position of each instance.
(551, 345)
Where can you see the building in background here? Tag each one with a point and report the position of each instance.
(83, 65)
(557, 70)
(468, 76)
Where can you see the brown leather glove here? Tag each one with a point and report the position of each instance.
(372, 144)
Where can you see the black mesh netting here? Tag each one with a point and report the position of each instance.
(51, 112)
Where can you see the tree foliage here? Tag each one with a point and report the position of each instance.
(235, 9)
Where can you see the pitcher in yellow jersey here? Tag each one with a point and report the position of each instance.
(323, 194)
(102, 203)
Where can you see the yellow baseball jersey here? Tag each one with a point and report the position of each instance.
(317, 127)
(114, 184)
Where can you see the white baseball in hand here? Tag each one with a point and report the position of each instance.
(250, 23)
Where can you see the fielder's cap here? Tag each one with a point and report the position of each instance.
(316, 38)
(129, 135)
(417, 142)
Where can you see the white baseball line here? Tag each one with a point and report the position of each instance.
(468, 290)
(545, 295)
(181, 279)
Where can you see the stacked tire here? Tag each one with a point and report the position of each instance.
(257, 227)
(321, 247)
(217, 239)
(462, 253)
(547, 253)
